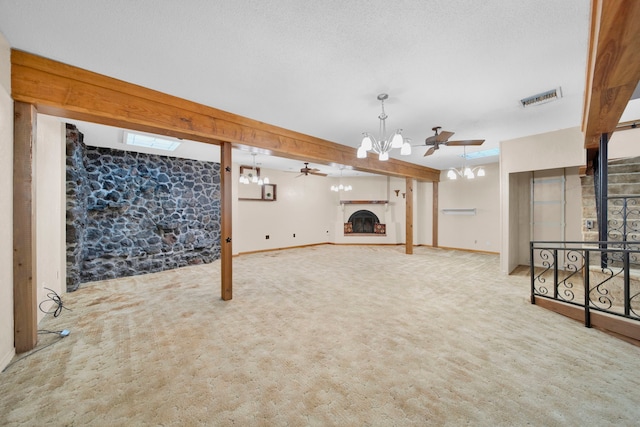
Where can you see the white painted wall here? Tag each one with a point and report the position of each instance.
(480, 232)
(372, 188)
(559, 153)
(306, 207)
(624, 143)
(50, 208)
(520, 214)
(423, 213)
(7, 349)
(303, 207)
(546, 213)
(553, 150)
(50, 212)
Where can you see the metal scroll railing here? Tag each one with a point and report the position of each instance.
(574, 273)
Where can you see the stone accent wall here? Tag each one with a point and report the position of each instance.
(143, 213)
(77, 189)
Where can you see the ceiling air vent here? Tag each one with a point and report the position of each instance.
(542, 98)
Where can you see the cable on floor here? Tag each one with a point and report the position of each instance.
(58, 304)
(33, 352)
(57, 309)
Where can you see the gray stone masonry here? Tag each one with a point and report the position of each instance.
(131, 213)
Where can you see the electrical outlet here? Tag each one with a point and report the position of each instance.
(588, 224)
(266, 237)
(294, 234)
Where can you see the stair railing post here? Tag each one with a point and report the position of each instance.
(602, 196)
(624, 219)
(627, 280)
(587, 310)
(532, 271)
(555, 274)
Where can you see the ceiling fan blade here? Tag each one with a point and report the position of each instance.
(465, 142)
(313, 172)
(430, 151)
(443, 136)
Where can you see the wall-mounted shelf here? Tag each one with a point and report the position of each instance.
(363, 202)
(469, 211)
(268, 194)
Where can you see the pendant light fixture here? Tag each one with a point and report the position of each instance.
(465, 172)
(253, 178)
(383, 144)
(341, 187)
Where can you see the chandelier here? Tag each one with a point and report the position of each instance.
(253, 177)
(341, 187)
(465, 171)
(383, 144)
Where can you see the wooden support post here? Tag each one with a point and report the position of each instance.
(409, 216)
(434, 239)
(25, 282)
(226, 279)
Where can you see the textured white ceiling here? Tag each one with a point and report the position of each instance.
(316, 67)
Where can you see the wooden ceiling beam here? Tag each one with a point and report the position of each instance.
(66, 91)
(613, 67)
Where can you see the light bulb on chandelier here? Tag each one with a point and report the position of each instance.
(465, 171)
(341, 187)
(254, 175)
(383, 144)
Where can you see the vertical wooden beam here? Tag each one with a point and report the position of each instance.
(226, 279)
(434, 232)
(409, 216)
(25, 282)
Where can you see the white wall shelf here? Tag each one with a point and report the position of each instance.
(468, 211)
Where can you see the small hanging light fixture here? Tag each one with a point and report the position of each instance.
(341, 187)
(253, 178)
(465, 171)
(383, 144)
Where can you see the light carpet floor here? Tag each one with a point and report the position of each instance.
(322, 336)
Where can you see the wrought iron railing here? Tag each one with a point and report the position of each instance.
(573, 273)
(623, 218)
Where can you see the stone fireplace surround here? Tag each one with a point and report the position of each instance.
(131, 213)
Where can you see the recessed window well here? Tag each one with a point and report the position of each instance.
(150, 141)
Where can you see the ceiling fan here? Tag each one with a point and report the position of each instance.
(442, 138)
(306, 170)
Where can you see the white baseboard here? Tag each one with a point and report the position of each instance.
(4, 361)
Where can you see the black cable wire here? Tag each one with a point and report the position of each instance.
(45, 331)
(29, 354)
(59, 305)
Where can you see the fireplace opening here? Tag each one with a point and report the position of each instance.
(364, 222)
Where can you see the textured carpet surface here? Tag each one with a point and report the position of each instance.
(324, 335)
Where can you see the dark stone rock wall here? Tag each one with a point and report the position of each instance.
(76, 205)
(146, 213)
